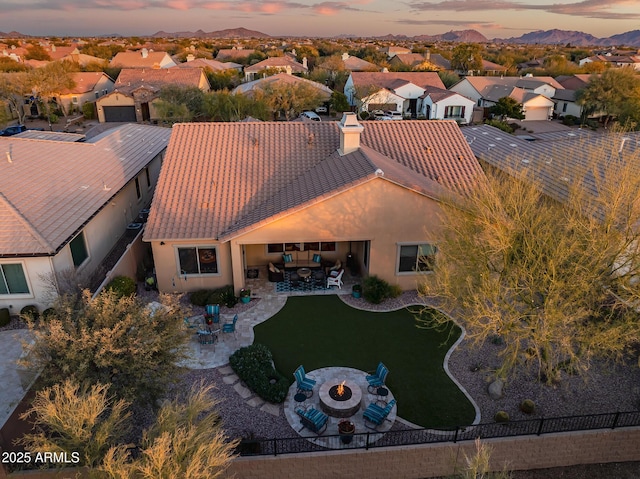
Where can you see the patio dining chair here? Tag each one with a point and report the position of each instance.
(378, 378)
(335, 279)
(375, 415)
(231, 326)
(213, 311)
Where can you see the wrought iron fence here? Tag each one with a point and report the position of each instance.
(406, 437)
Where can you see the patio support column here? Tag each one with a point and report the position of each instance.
(237, 266)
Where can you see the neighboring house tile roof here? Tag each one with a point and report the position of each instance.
(575, 82)
(492, 67)
(232, 53)
(391, 80)
(277, 62)
(356, 64)
(553, 163)
(565, 95)
(484, 84)
(437, 94)
(220, 179)
(131, 79)
(50, 189)
(85, 82)
(281, 78)
(214, 65)
(141, 59)
(58, 53)
(411, 59)
(82, 59)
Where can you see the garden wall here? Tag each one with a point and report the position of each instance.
(431, 460)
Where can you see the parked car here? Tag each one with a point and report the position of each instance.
(13, 130)
(321, 109)
(394, 115)
(310, 115)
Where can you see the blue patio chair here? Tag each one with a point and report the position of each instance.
(377, 379)
(230, 327)
(304, 384)
(313, 419)
(375, 415)
(213, 311)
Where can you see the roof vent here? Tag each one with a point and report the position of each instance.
(379, 172)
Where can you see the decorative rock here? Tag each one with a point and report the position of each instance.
(495, 389)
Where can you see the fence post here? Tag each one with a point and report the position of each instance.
(367, 442)
(275, 446)
(540, 426)
(615, 420)
(455, 436)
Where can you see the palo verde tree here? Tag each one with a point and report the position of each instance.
(290, 100)
(554, 279)
(13, 89)
(47, 82)
(467, 57)
(110, 340)
(180, 103)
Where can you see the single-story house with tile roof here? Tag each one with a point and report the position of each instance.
(396, 91)
(355, 64)
(439, 104)
(565, 104)
(213, 65)
(142, 59)
(64, 205)
(136, 90)
(281, 78)
(89, 86)
(232, 196)
(284, 64)
(225, 54)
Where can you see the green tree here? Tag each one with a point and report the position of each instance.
(448, 78)
(13, 89)
(37, 52)
(615, 94)
(507, 107)
(223, 80)
(554, 281)
(226, 106)
(110, 340)
(186, 441)
(68, 418)
(290, 100)
(179, 103)
(47, 82)
(339, 102)
(467, 57)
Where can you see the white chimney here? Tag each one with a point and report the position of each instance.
(190, 57)
(144, 52)
(304, 62)
(350, 130)
(428, 56)
(345, 56)
(385, 70)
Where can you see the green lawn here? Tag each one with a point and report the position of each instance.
(322, 331)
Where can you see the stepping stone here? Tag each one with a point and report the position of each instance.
(244, 392)
(230, 379)
(255, 402)
(272, 409)
(226, 370)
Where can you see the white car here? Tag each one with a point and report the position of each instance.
(321, 109)
(394, 115)
(310, 115)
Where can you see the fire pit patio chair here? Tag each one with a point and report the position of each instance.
(304, 384)
(375, 415)
(377, 379)
(313, 419)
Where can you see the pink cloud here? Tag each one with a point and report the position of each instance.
(179, 4)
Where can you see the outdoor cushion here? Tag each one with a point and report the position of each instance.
(317, 258)
(287, 258)
(272, 268)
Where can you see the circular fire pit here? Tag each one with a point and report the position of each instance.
(336, 405)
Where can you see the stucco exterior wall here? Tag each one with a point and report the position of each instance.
(35, 271)
(113, 99)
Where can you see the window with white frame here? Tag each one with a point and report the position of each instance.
(12, 279)
(78, 248)
(454, 112)
(198, 260)
(414, 258)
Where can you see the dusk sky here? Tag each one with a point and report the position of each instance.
(492, 18)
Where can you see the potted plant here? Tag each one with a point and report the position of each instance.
(356, 290)
(346, 429)
(245, 295)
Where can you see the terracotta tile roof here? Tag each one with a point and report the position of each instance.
(411, 59)
(358, 64)
(85, 82)
(131, 79)
(51, 189)
(137, 60)
(490, 66)
(437, 94)
(285, 78)
(219, 179)
(214, 65)
(277, 62)
(483, 84)
(388, 79)
(233, 53)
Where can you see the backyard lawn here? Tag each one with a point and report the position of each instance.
(322, 331)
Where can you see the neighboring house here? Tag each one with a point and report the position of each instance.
(58, 53)
(64, 205)
(406, 59)
(284, 64)
(249, 88)
(396, 91)
(136, 90)
(429, 60)
(440, 104)
(89, 87)
(231, 54)
(565, 104)
(213, 65)
(236, 195)
(83, 60)
(533, 93)
(614, 61)
(391, 51)
(490, 68)
(142, 59)
(576, 82)
(355, 64)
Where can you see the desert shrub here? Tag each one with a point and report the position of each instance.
(89, 110)
(224, 295)
(500, 124)
(30, 311)
(5, 317)
(570, 120)
(199, 298)
(229, 298)
(253, 365)
(376, 289)
(48, 313)
(395, 290)
(501, 416)
(122, 286)
(527, 406)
